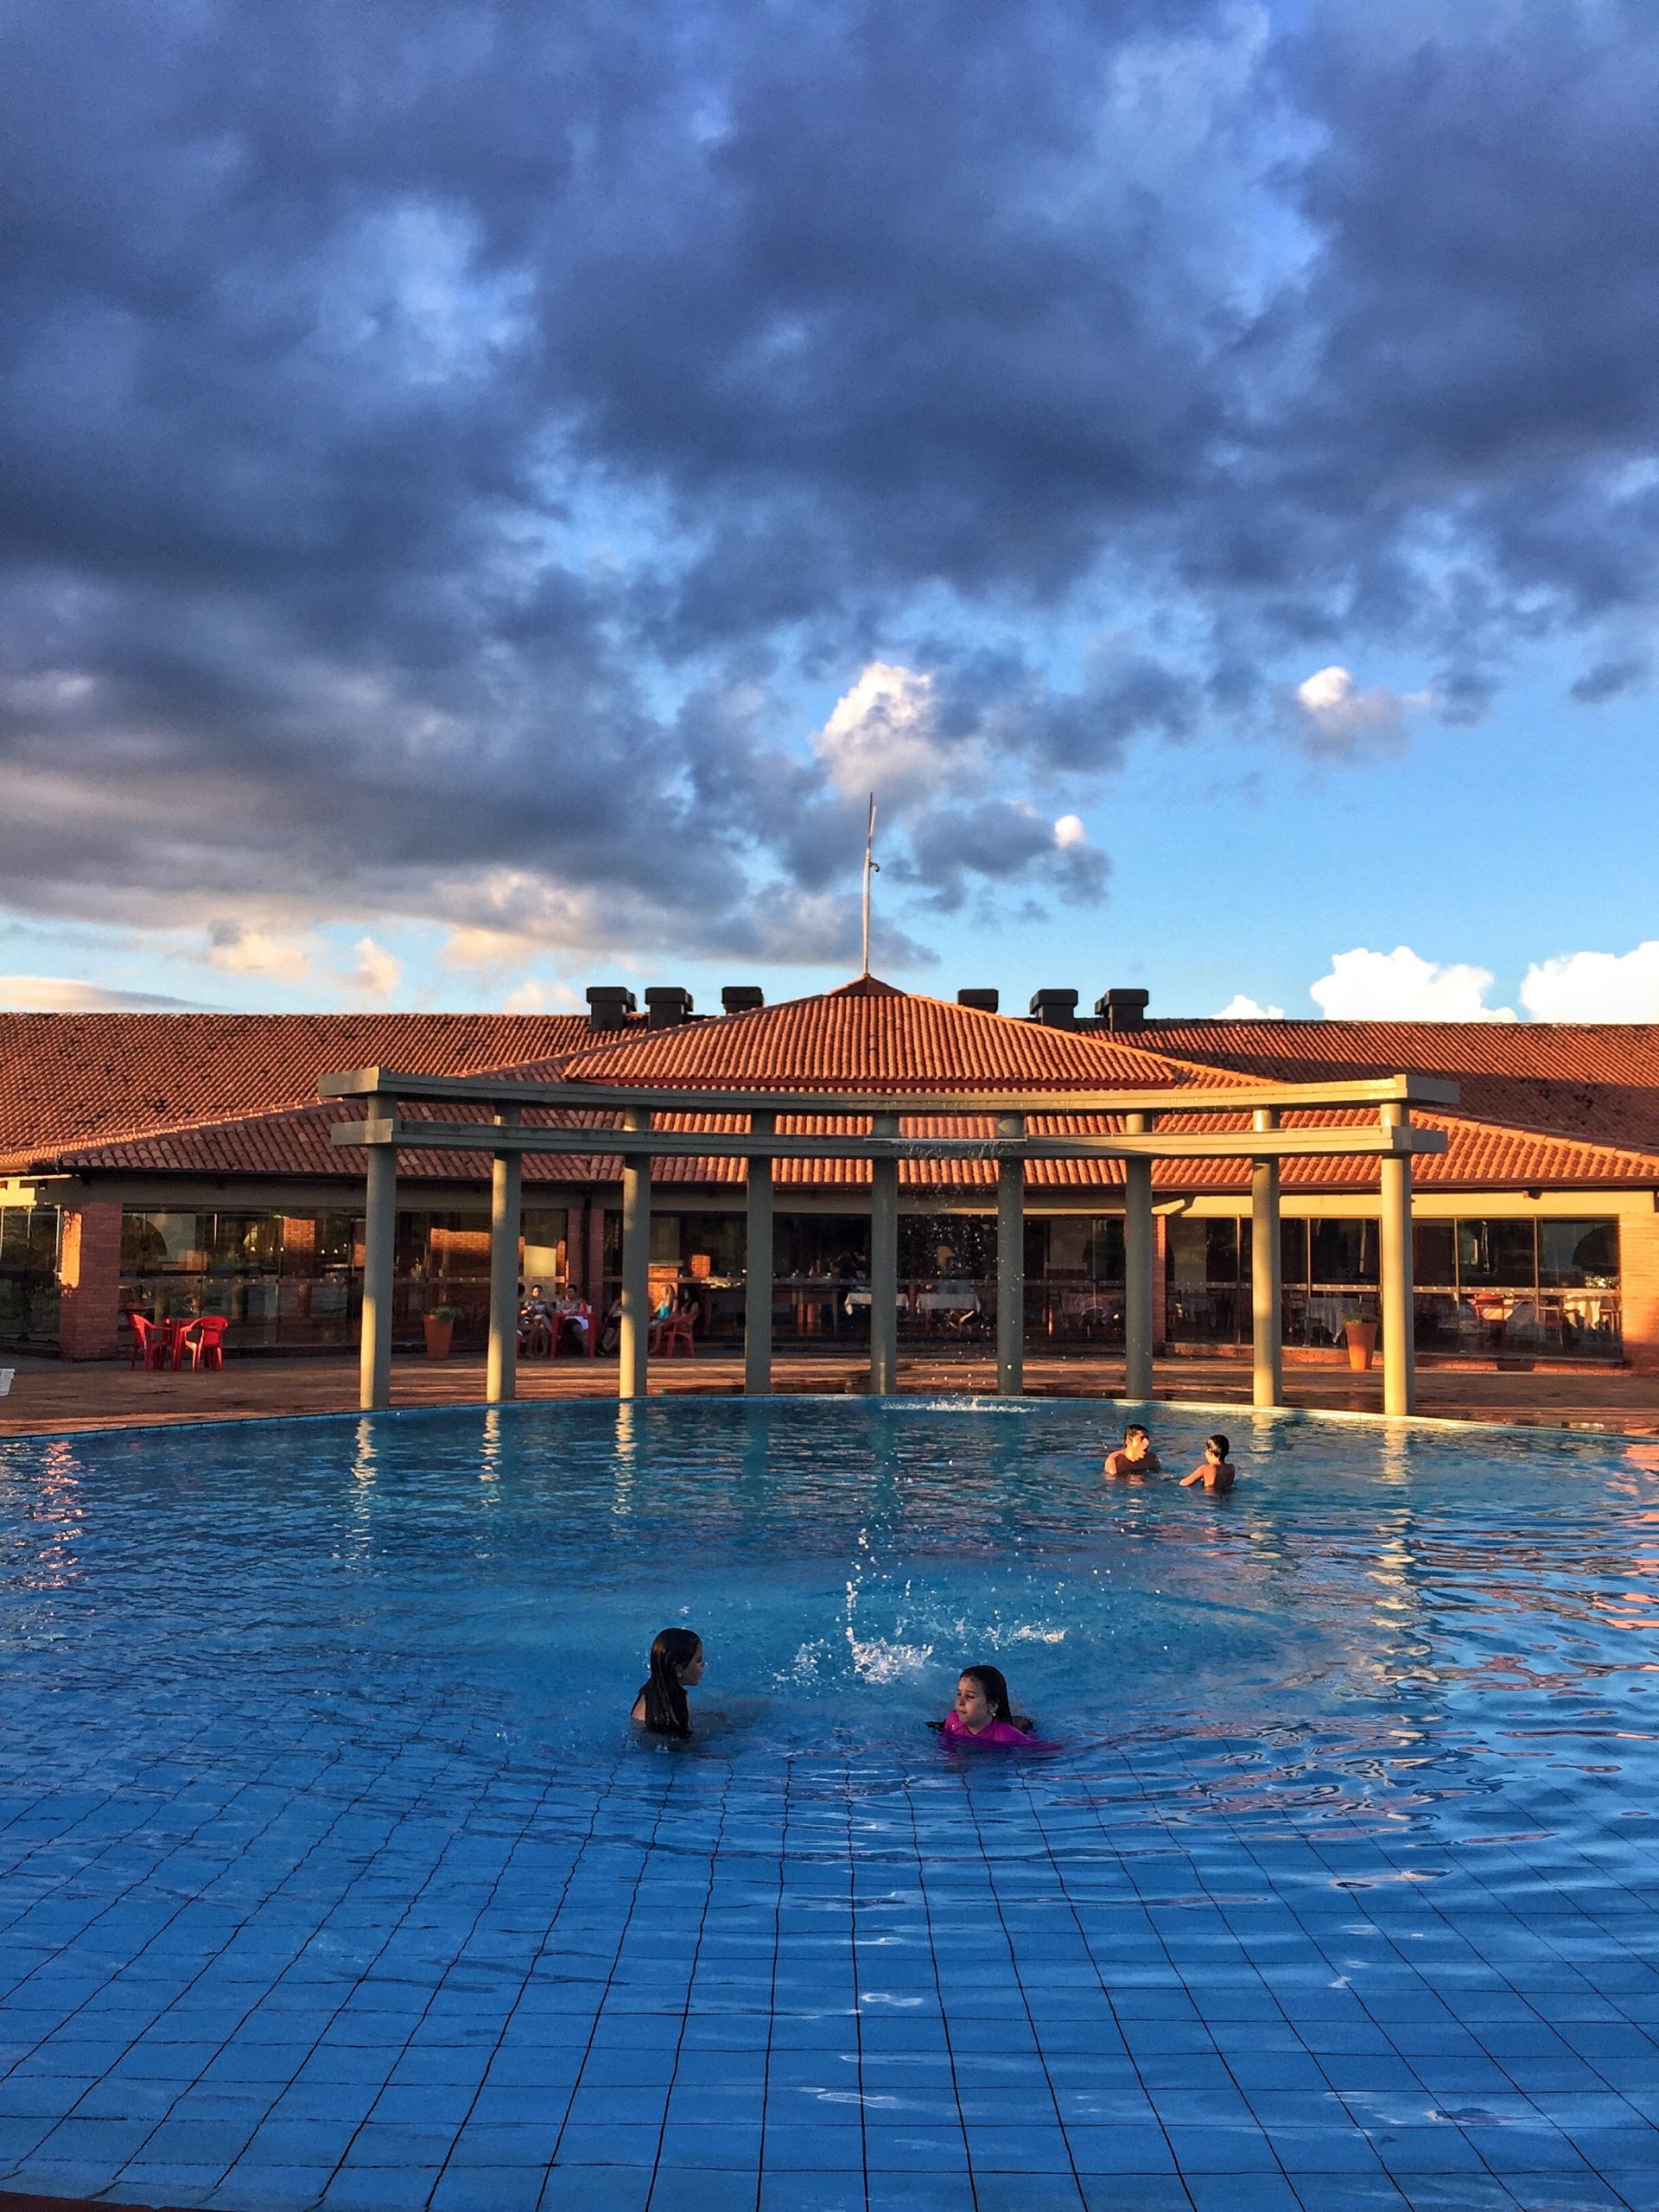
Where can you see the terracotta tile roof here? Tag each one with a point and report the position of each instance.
(867, 1036)
(1597, 1080)
(295, 1144)
(172, 1093)
(81, 1079)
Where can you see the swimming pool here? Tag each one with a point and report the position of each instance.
(331, 1874)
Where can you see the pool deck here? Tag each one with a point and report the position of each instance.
(50, 1396)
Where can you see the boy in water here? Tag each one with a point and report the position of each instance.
(1135, 1456)
(1218, 1473)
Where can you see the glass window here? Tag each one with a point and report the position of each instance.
(166, 1240)
(1498, 1252)
(1435, 1253)
(1578, 1255)
(1293, 1250)
(1342, 1251)
(1081, 1249)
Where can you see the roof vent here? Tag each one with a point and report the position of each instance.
(986, 1001)
(1123, 1009)
(1055, 1009)
(742, 998)
(609, 1006)
(667, 1005)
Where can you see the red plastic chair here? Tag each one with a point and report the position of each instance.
(204, 1340)
(677, 1333)
(149, 1344)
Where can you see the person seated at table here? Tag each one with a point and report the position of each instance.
(572, 1317)
(1217, 1471)
(535, 1321)
(1134, 1456)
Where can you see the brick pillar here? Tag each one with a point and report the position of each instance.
(89, 1270)
(593, 1288)
(1638, 1260)
(1159, 1278)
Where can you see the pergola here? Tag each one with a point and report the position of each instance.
(1151, 1125)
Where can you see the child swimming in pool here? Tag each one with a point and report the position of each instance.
(676, 1667)
(983, 1715)
(1217, 1473)
(1134, 1456)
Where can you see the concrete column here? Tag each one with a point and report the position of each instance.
(1267, 1289)
(1011, 1264)
(1137, 1268)
(634, 1336)
(379, 1254)
(506, 1190)
(89, 1279)
(884, 1265)
(1399, 1307)
(758, 1269)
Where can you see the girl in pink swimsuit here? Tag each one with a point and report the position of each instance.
(982, 1714)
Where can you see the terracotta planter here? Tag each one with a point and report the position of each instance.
(1361, 1339)
(438, 1334)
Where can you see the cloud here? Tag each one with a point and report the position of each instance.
(1400, 986)
(445, 468)
(1334, 717)
(1240, 1008)
(255, 953)
(1595, 986)
(62, 995)
(534, 996)
(374, 972)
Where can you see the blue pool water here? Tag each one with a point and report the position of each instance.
(330, 1873)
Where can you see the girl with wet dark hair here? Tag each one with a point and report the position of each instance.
(982, 1714)
(676, 1667)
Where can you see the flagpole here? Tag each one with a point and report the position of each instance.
(870, 870)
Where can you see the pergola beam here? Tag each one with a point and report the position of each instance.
(1410, 1090)
(1375, 1139)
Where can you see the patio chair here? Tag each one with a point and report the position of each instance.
(677, 1331)
(204, 1340)
(149, 1344)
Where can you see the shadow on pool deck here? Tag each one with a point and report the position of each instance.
(52, 1395)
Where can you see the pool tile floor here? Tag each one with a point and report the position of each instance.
(267, 1984)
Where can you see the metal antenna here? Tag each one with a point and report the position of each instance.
(872, 867)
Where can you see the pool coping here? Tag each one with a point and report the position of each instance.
(1230, 1407)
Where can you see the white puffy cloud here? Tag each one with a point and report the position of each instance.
(258, 952)
(883, 737)
(1335, 718)
(1240, 1008)
(533, 996)
(374, 972)
(1595, 986)
(1400, 985)
(62, 995)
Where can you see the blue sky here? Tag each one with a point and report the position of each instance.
(484, 491)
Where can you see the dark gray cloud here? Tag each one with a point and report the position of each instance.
(444, 448)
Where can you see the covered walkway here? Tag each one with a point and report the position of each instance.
(854, 1087)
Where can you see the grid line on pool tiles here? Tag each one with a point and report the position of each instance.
(1002, 1999)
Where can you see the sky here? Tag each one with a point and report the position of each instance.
(487, 490)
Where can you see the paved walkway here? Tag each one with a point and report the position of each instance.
(54, 1394)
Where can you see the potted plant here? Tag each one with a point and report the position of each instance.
(1360, 1336)
(440, 1328)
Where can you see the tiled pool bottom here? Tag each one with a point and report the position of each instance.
(329, 1903)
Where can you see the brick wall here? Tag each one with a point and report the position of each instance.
(89, 1268)
(1638, 1242)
